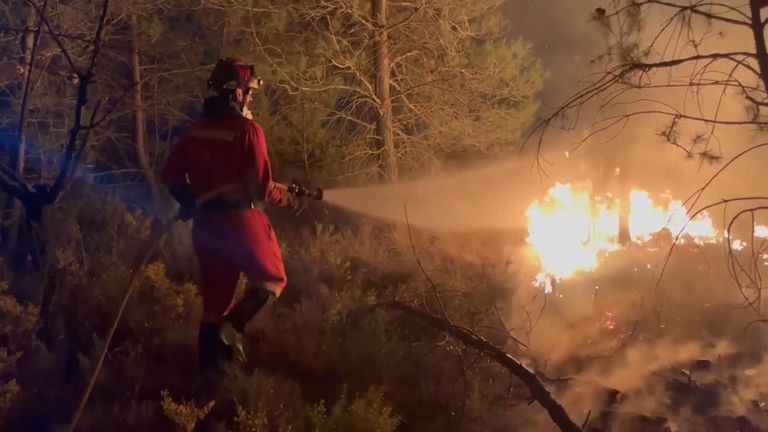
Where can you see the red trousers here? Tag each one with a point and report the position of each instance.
(230, 242)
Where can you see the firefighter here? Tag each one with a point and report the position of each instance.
(220, 174)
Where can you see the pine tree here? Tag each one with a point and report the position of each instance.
(457, 84)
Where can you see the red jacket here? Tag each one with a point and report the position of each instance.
(224, 155)
(220, 154)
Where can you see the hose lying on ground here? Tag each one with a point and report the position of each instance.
(145, 250)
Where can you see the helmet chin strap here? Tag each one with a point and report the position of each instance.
(247, 113)
(242, 109)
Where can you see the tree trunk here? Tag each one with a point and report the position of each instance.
(140, 115)
(388, 158)
(759, 36)
(29, 43)
(13, 250)
(625, 235)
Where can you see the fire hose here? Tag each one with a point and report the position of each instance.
(158, 231)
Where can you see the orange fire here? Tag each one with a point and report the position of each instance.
(647, 219)
(570, 231)
(761, 231)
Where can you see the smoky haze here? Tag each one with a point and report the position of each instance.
(634, 156)
(622, 326)
(562, 36)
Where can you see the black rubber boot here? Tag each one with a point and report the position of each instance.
(212, 352)
(233, 327)
(251, 303)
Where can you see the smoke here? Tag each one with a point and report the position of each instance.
(634, 155)
(497, 195)
(683, 347)
(563, 37)
(683, 352)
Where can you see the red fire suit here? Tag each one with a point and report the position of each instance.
(215, 160)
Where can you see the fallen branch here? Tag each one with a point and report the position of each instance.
(539, 392)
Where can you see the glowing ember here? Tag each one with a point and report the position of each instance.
(570, 231)
(609, 320)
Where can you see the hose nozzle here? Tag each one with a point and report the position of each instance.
(302, 191)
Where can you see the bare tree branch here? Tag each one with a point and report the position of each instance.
(55, 37)
(759, 35)
(410, 17)
(696, 58)
(421, 267)
(539, 392)
(47, 32)
(18, 156)
(635, 70)
(70, 150)
(696, 10)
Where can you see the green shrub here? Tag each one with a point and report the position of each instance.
(366, 413)
(17, 324)
(185, 414)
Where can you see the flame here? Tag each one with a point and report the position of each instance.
(761, 231)
(738, 245)
(570, 231)
(647, 219)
